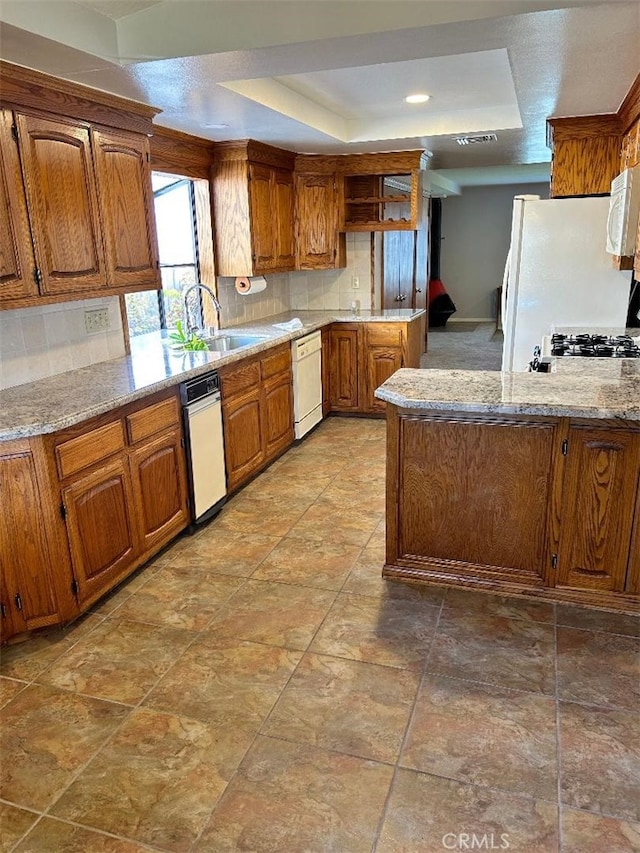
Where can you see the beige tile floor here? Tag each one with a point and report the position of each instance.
(259, 687)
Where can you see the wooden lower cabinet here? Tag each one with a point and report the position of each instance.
(364, 355)
(278, 423)
(344, 367)
(475, 496)
(545, 507)
(257, 413)
(599, 500)
(82, 508)
(243, 437)
(159, 487)
(29, 575)
(102, 529)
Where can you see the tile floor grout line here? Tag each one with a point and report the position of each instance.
(558, 733)
(397, 766)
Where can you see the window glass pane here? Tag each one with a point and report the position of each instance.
(142, 312)
(175, 280)
(174, 220)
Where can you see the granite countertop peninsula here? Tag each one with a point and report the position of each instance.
(575, 387)
(50, 404)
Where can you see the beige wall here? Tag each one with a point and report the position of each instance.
(476, 230)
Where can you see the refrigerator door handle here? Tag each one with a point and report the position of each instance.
(505, 287)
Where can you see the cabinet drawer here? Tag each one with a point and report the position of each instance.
(383, 335)
(152, 419)
(276, 362)
(85, 450)
(240, 379)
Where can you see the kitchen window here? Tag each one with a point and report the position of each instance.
(182, 220)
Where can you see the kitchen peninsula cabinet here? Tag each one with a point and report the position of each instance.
(257, 412)
(524, 504)
(598, 505)
(253, 203)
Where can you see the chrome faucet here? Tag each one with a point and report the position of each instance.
(194, 327)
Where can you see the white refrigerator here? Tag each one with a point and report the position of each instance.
(558, 274)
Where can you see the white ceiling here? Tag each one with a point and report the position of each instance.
(328, 76)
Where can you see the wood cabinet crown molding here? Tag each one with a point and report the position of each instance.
(181, 153)
(256, 152)
(25, 88)
(629, 111)
(386, 163)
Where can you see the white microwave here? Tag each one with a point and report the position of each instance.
(624, 210)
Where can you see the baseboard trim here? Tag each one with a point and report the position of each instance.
(472, 320)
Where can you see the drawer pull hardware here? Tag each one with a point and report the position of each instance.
(554, 561)
(565, 447)
(18, 601)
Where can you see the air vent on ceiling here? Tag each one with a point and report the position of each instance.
(481, 139)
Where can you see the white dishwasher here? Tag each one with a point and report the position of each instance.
(205, 445)
(307, 382)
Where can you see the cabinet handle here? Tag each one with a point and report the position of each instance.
(18, 601)
(398, 298)
(3, 610)
(418, 290)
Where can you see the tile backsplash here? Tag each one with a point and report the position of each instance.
(333, 290)
(44, 340)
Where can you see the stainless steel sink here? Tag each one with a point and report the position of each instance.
(226, 343)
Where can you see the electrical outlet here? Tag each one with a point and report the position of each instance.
(355, 282)
(96, 320)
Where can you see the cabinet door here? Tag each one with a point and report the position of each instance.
(101, 528)
(24, 552)
(61, 195)
(160, 489)
(475, 496)
(379, 363)
(344, 369)
(126, 208)
(316, 222)
(278, 414)
(262, 218)
(16, 251)
(283, 202)
(243, 439)
(598, 501)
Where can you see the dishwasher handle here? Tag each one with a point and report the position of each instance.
(202, 404)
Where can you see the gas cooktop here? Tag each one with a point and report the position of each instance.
(595, 346)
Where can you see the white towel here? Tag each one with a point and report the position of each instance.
(290, 325)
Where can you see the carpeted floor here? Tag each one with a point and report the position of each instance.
(463, 346)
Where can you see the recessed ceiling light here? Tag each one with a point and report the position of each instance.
(417, 99)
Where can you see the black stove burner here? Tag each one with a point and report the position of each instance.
(594, 346)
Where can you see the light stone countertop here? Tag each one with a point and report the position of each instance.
(576, 387)
(50, 404)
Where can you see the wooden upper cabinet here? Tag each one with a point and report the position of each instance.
(318, 244)
(17, 265)
(62, 203)
(253, 208)
(598, 501)
(283, 194)
(262, 217)
(126, 208)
